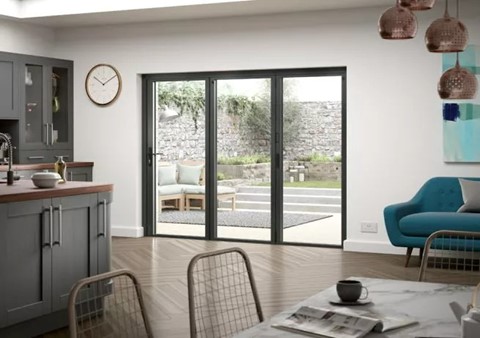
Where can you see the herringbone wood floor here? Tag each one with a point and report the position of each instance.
(284, 274)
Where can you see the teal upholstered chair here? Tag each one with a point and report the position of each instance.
(433, 208)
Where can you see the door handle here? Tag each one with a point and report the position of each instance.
(150, 155)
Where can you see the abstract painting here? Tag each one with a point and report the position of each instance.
(461, 118)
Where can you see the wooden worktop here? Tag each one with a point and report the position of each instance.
(43, 166)
(24, 190)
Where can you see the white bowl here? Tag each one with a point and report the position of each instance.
(45, 179)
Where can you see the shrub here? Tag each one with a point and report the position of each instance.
(247, 159)
(315, 158)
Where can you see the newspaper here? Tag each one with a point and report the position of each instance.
(340, 323)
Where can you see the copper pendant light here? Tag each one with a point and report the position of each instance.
(397, 23)
(458, 83)
(446, 35)
(417, 5)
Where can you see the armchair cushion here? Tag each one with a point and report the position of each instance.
(172, 189)
(189, 174)
(471, 195)
(167, 175)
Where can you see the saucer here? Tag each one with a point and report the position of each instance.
(338, 301)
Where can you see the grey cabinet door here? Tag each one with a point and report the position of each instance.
(73, 255)
(25, 259)
(104, 232)
(9, 70)
(79, 174)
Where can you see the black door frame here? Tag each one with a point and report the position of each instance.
(276, 153)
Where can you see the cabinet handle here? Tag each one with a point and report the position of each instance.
(50, 210)
(49, 243)
(60, 225)
(36, 157)
(70, 176)
(104, 227)
(51, 134)
(48, 132)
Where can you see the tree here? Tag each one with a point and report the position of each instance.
(253, 113)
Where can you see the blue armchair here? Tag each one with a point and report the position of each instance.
(434, 207)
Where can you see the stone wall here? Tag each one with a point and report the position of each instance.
(330, 171)
(319, 131)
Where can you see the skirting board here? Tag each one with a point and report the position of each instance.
(372, 247)
(123, 231)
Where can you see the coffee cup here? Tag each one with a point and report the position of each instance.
(351, 290)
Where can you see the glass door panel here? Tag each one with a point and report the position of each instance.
(60, 105)
(243, 159)
(179, 157)
(312, 143)
(35, 129)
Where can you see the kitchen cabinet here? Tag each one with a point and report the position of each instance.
(46, 245)
(9, 70)
(36, 106)
(46, 124)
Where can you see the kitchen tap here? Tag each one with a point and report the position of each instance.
(6, 139)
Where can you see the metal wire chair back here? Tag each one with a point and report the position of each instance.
(451, 257)
(222, 294)
(108, 305)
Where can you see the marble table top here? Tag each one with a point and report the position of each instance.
(428, 303)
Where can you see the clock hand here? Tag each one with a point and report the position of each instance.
(103, 84)
(109, 79)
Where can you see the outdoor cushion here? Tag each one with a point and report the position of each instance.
(172, 189)
(425, 223)
(470, 195)
(189, 174)
(201, 190)
(225, 190)
(167, 174)
(194, 189)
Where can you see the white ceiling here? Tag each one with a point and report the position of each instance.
(61, 13)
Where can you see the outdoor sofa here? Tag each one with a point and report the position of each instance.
(442, 203)
(183, 183)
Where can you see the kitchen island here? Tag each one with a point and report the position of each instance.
(49, 239)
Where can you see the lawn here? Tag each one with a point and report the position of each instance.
(309, 184)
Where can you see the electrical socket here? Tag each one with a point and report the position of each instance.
(371, 227)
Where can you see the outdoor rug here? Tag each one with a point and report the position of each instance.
(248, 219)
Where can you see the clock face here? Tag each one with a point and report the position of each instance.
(103, 84)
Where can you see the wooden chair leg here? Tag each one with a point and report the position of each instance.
(409, 254)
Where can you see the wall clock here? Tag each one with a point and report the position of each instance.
(103, 84)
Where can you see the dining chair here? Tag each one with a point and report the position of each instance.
(451, 257)
(222, 295)
(108, 305)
